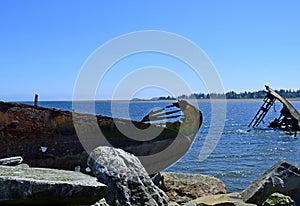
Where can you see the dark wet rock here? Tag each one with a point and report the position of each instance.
(11, 161)
(277, 199)
(282, 177)
(218, 200)
(24, 185)
(127, 180)
(183, 187)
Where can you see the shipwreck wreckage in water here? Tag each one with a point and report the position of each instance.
(47, 137)
(289, 118)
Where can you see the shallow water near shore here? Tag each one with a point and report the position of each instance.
(240, 156)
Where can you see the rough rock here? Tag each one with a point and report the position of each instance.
(282, 177)
(218, 200)
(277, 199)
(24, 185)
(127, 180)
(101, 202)
(171, 203)
(11, 161)
(183, 187)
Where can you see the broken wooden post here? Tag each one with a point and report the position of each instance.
(36, 97)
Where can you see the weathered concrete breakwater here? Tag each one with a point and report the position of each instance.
(122, 180)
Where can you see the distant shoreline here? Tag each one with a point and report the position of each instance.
(198, 100)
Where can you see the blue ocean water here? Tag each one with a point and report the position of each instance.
(240, 156)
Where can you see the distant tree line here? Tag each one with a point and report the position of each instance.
(233, 95)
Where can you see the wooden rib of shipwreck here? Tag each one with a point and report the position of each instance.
(47, 137)
(289, 118)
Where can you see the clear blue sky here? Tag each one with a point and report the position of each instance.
(43, 44)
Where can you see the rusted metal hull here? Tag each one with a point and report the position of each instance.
(291, 109)
(289, 119)
(47, 137)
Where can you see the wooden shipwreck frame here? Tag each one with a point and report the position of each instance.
(289, 118)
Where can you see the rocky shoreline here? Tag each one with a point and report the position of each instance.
(119, 178)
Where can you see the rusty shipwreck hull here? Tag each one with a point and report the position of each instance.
(289, 118)
(47, 137)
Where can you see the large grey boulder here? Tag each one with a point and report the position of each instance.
(184, 187)
(283, 177)
(24, 185)
(127, 180)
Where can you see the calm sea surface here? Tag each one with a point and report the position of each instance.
(240, 156)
